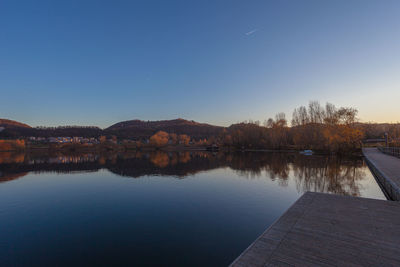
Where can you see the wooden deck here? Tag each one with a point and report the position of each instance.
(386, 169)
(330, 230)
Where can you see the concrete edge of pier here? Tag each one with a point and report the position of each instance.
(386, 170)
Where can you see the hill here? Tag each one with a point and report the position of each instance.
(143, 129)
(133, 129)
(11, 124)
(13, 129)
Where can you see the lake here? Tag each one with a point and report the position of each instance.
(156, 208)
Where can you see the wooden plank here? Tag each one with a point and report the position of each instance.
(330, 230)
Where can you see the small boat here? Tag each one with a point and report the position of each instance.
(307, 152)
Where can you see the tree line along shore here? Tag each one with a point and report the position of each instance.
(320, 128)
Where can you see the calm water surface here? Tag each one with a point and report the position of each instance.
(156, 208)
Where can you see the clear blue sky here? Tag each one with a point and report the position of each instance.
(100, 62)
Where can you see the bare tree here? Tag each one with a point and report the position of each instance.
(315, 112)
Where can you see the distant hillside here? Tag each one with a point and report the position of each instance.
(134, 129)
(143, 129)
(10, 123)
(14, 129)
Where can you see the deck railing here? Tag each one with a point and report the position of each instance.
(393, 151)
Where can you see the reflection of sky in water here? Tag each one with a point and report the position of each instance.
(216, 208)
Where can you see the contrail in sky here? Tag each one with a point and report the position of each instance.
(251, 32)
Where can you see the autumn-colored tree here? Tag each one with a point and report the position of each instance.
(342, 138)
(102, 139)
(159, 139)
(184, 139)
(201, 142)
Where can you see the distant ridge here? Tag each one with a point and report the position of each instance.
(131, 129)
(140, 129)
(161, 123)
(10, 123)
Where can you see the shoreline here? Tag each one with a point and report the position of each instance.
(100, 148)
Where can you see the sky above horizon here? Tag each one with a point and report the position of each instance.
(219, 62)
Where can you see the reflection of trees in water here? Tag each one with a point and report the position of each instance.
(311, 173)
(179, 164)
(314, 173)
(333, 175)
(16, 165)
(12, 157)
(276, 165)
(162, 159)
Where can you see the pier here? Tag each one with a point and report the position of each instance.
(332, 230)
(386, 169)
